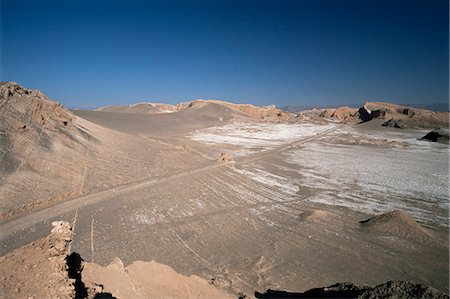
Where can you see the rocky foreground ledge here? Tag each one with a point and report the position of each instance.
(43, 269)
(39, 269)
(391, 289)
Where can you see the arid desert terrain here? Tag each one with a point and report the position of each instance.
(213, 199)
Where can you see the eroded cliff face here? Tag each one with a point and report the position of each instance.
(393, 115)
(341, 114)
(39, 269)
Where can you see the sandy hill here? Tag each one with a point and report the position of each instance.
(32, 124)
(178, 120)
(145, 108)
(164, 125)
(397, 223)
(50, 154)
(392, 115)
(267, 113)
(41, 143)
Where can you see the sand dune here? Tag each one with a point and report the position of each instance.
(396, 223)
(266, 113)
(164, 125)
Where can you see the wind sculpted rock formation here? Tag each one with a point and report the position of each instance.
(403, 117)
(341, 114)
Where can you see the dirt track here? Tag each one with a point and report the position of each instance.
(19, 222)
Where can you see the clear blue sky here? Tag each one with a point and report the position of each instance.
(325, 52)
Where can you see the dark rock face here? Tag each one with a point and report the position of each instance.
(402, 117)
(437, 135)
(402, 289)
(391, 289)
(338, 290)
(364, 115)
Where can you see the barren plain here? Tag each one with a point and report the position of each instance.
(280, 211)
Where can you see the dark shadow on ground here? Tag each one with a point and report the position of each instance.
(104, 296)
(74, 261)
(335, 291)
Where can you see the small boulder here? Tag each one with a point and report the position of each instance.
(437, 135)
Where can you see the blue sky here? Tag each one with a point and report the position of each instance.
(305, 52)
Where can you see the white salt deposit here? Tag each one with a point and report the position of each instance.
(408, 174)
(377, 180)
(269, 179)
(264, 136)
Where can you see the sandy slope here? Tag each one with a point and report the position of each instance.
(148, 280)
(266, 113)
(49, 154)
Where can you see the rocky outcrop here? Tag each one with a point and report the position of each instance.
(394, 115)
(390, 289)
(341, 114)
(39, 270)
(402, 289)
(31, 124)
(402, 117)
(33, 108)
(43, 269)
(437, 135)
